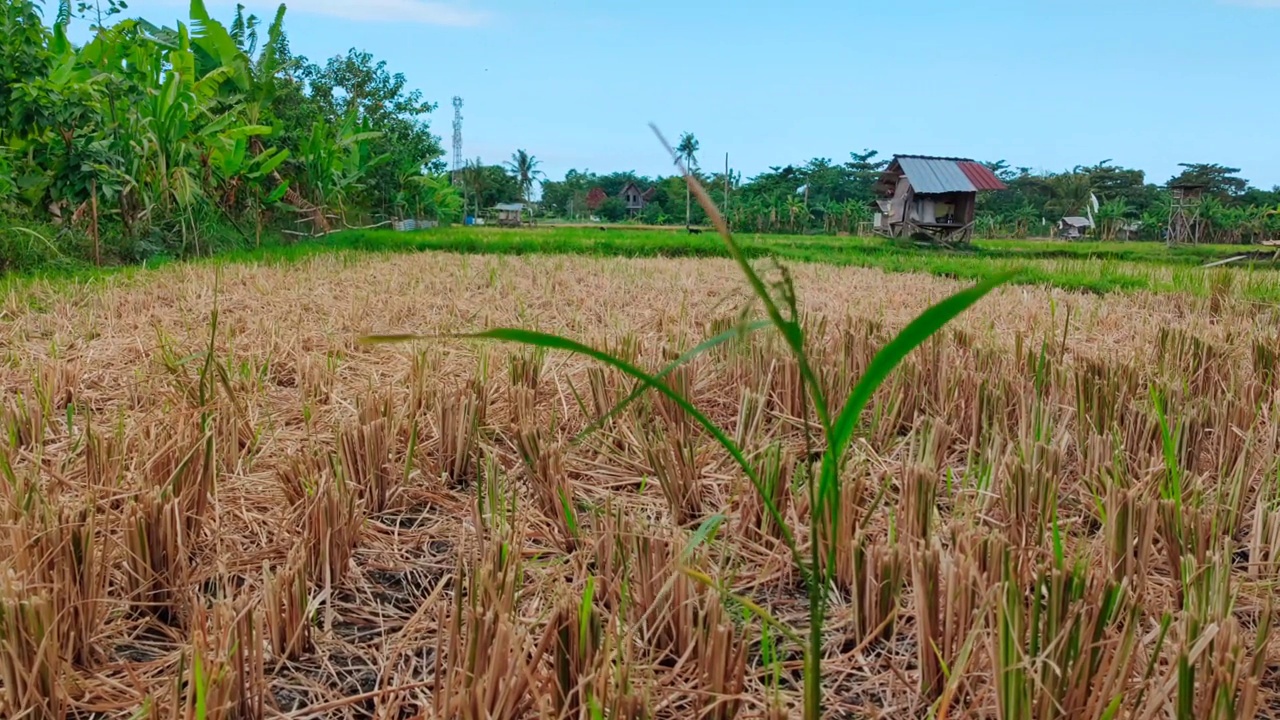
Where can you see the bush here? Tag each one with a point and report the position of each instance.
(613, 210)
(652, 214)
(34, 247)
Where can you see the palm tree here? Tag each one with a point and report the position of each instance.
(524, 168)
(1071, 194)
(797, 210)
(474, 182)
(687, 151)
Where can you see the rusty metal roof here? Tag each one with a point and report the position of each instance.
(936, 175)
(980, 175)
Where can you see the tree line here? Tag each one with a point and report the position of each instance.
(153, 140)
(824, 196)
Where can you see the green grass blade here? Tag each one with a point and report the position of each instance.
(549, 341)
(201, 691)
(584, 609)
(891, 355)
(1059, 554)
(570, 515)
(747, 603)
(790, 329)
(739, 331)
(704, 532)
(1172, 489)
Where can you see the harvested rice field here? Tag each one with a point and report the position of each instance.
(219, 503)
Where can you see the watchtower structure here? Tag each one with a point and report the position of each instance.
(1186, 226)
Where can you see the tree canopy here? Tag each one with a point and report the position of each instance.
(822, 195)
(156, 140)
(151, 139)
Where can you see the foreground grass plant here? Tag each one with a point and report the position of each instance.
(837, 424)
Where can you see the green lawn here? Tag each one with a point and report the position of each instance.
(1086, 266)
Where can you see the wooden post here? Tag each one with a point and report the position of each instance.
(726, 187)
(97, 249)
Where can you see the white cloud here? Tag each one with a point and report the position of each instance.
(426, 12)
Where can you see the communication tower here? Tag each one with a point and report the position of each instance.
(457, 140)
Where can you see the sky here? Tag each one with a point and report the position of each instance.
(1047, 84)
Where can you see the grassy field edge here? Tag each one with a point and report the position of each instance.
(1086, 267)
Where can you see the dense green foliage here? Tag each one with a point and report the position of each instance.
(484, 186)
(151, 140)
(822, 196)
(1231, 210)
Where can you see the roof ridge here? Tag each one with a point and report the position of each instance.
(934, 157)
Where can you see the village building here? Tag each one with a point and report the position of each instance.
(509, 214)
(636, 199)
(933, 196)
(1074, 227)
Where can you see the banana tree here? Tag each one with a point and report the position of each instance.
(172, 122)
(776, 209)
(7, 187)
(1253, 224)
(334, 160)
(422, 196)
(475, 182)
(256, 80)
(1023, 216)
(1110, 216)
(440, 199)
(1270, 224)
(1214, 215)
(855, 213)
(831, 212)
(248, 84)
(988, 225)
(244, 179)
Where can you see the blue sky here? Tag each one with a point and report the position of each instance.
(1042, 83)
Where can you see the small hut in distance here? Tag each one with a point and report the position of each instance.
(509, 214)
(1073, 227)
(936, 196)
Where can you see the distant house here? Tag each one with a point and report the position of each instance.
(1074, 227)
(510, 214)
(596, 198)
(636, 199)
(936, 196)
